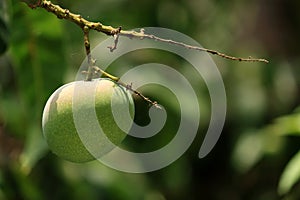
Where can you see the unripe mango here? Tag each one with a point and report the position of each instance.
(68, 113)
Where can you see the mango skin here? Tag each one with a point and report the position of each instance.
(58, 122)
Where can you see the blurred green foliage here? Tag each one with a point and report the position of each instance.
(257, 156)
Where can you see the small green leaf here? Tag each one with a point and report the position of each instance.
(289, 125)
(290, 175)
(248, 151)
(286, 125)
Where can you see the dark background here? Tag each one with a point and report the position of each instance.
(39, 53)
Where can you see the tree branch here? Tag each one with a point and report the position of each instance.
(109, 30)
(86, 26)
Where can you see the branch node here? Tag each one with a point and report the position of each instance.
(116, 31)
(67, 12)
(129, 86)
(142, 32)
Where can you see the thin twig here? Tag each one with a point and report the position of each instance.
(142, 35)
(87, 46)
(128, 87)
(108, 30)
